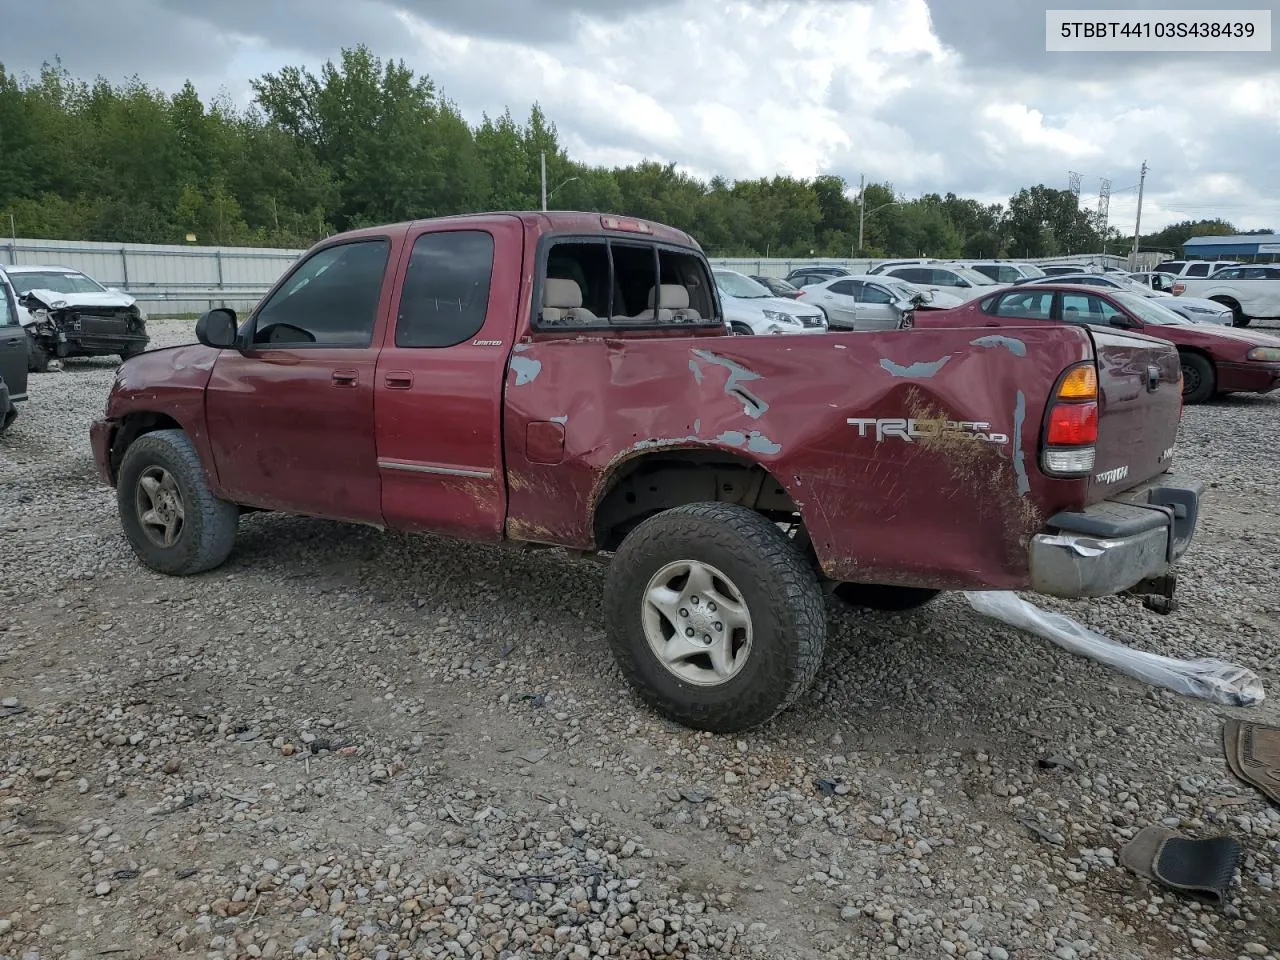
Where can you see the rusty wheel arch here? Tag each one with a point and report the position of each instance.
(647, 483)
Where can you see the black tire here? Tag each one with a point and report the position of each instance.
(208, 527)
(1199, 380)
(741, 329)
(132, 350)
(777, 585)
(876, 596)
(37, 357)
(1238, 319)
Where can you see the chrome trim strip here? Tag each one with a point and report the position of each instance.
(435, 470)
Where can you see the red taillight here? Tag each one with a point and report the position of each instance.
(1072, 424)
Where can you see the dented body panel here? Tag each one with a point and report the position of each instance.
(913, 475)
(909, 456)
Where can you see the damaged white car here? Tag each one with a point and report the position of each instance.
(68, 314)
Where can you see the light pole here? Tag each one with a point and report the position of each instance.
(552, 192)
(862, 215)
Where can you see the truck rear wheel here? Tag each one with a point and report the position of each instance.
(715, 617)
(876, 596)
(174, 524)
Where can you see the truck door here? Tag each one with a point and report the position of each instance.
(438, 392)
(291, 415)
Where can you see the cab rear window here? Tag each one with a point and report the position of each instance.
(600, 281)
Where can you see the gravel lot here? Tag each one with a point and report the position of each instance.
(351, 743)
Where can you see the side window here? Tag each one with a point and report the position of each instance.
(1024, 306)
(942, 278)
(1248, 273)
(1231, 273)
(446, 289)
(7, 319)
(1082, 308)
(988, 270)
(1197, 270)
(1006, 274)
(685, 270)
(1171, 266)
(846, 288)
(330, 300)
(910, 274)
(871, 293)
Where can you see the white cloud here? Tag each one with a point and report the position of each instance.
(903, 90)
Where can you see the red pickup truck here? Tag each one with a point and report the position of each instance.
(568, 379)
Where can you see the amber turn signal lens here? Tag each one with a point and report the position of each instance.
(1080, 384)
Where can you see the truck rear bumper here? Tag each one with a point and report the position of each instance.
(1112, 546)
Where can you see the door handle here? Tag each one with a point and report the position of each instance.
(345, 378)
(398, 380)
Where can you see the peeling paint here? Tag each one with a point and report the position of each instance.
(753, 406)
(526, 369)
(697, 426)
(560, 420)
(520, 347)
(1012, 344)
(754, 441)
(695, 370)
(1019, 458)
(841, 346)
(919, 369)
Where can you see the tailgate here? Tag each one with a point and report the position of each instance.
(1140, 394)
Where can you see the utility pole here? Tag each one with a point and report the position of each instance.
(862, 211)
(544, 179)
(1137, 222)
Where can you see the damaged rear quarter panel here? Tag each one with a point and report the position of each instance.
(938, 510)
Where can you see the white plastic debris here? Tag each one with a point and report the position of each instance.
(1208, 679)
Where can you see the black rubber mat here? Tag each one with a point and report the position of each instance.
(1202, 868)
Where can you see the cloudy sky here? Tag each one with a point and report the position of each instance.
(932, 95)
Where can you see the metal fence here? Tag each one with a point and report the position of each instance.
(164, 278)
(173, 279)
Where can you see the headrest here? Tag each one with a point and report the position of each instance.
(674, 297)
(561, 294)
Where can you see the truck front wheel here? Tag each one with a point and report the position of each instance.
(173, 522)
(715, 617)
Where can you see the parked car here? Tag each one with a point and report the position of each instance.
(13, 358)
(751, 308)
(592, 399)
(1214, 360)
(815, 273)
(1160, 282)
(69, 314)
(873, 302)
(1251, 292)
(1003, 271)
(1194, 268)
(958, 281)
(778, 287)
(1195, 309)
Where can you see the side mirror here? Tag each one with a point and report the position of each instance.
(217, 328)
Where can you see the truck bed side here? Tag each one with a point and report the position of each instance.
(852, 427)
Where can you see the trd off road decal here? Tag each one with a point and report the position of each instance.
(1112, 476)
(910, 430)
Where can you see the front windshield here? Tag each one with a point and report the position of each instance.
(736, 285)
(974, 277)
(1149, 311)
(57, 282)
(902, 288)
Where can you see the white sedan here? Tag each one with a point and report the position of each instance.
(751, 307)
(873, 302)
(958, 281)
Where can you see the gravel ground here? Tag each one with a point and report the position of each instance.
(360, 744)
